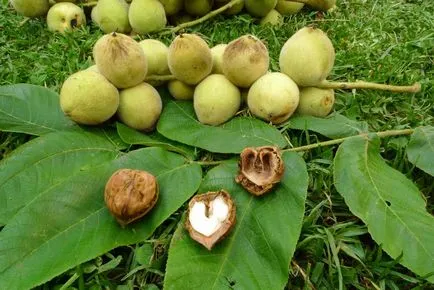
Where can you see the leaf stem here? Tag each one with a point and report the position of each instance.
(415, 88)
(203, 18)
(382, 134)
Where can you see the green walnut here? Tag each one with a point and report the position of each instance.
(274, 97)
(88, 98)
(120, 59)
(140, 107)
(307, 57)
(216, 100)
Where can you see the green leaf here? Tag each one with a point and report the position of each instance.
(46, 162)
(389, 204)
(70, 224)
(257, 252)
(31, 109)
(134, 137)
(334, 126)
(420, 150)
(178, 122)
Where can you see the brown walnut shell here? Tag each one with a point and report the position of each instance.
(130, 194)
(226, 226)
(260, 169)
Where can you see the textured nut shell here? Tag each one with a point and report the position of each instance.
(245, 60)
(130, 194)
(224, 230)
(260, 169)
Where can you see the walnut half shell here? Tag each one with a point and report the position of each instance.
(130, 194)
(210, 217)
(260, 169)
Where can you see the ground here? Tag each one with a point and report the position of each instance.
(387, 41)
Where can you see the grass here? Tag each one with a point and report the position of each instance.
(387, 41)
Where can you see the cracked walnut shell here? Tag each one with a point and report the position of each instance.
(260, 169)
(130, 194)
(210, 218)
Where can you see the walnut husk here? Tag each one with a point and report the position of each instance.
(260, 169)
(130, 194)
(227, 225)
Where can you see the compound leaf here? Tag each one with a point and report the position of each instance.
(48, 161)
(31, 109)
(134, 137)
(257, 252)
(389, 204)
(178, 122)
(334, 126)
(69, 223)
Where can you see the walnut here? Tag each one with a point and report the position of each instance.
(260, 169)
(130, 194)
(210, 217)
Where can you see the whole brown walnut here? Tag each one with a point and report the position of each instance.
(130, 194)
(260, 169)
